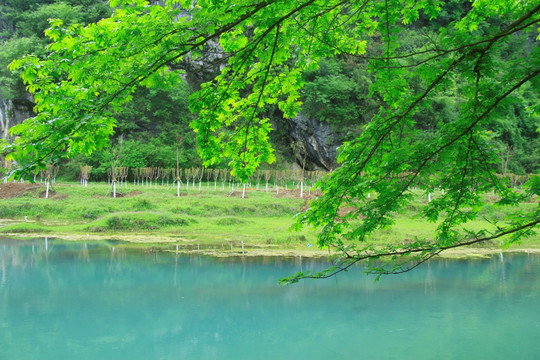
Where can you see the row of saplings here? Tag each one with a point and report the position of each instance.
(192, 178)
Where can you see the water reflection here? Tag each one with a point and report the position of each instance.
(90, 300)
(37, 253)
(428, 285)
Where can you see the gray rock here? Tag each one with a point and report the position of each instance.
(319, 141)
(13, 112)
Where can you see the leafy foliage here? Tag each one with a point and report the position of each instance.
(22, 31)
(338, 93)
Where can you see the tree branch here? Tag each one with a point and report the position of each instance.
(428, 251)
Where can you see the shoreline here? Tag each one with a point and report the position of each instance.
(213, 222)
(228, 248)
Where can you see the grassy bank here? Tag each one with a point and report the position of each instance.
(212, 219)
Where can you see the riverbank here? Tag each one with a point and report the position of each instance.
(211, 219)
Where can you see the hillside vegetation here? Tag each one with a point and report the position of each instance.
(153, 129)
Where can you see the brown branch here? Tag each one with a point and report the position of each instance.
(506, 32)
(425, 251)
(269, 66)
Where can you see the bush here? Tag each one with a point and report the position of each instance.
(134, 222)
(91, 214)
(227, 221)
(143, 204)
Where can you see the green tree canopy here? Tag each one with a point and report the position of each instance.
(91, 72)
(22, 27)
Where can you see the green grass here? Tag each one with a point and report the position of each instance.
(23, 228)
(207, 216)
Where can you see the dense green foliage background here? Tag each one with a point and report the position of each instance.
(151, 127)
(156, 122)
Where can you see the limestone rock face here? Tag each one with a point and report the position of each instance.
(13, 112)
(319, 141)
(206, 67)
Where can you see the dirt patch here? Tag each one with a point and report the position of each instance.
(343, 211)
(285, 193)
(13, 190)
(51, 194)
(535, 199)
(295, 193)
(121, 195)
(237, 194)
(60, 196)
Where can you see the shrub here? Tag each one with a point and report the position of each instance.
(227, 221)
(143, 204)
(135, 222)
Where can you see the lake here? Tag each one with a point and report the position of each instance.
(97, 300)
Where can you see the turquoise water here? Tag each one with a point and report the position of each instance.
(90, 301)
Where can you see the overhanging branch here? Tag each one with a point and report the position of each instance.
(425, 252)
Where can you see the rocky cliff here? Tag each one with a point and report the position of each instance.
(319, 141)
(13, 112)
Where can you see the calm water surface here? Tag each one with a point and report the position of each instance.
(88, 301)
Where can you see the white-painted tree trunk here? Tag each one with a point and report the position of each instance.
(114, 189)
(244, 191)
(302, 189)
(178, 188)
(47, 190)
